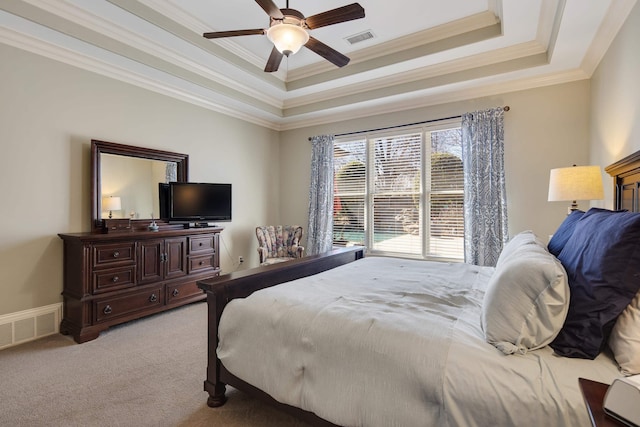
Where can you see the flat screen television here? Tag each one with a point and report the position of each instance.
(195, 202)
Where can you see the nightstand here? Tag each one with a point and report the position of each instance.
(593, 393)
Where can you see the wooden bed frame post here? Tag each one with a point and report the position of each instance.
(213, 385)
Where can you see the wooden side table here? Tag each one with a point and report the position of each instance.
(593, 393)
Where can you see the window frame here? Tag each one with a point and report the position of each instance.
(425, 192)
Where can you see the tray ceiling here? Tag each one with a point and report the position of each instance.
(414, 53)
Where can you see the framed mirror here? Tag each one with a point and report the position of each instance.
(125, 181)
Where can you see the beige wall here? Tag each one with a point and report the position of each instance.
(49, 112)
(545, 128)
(615, 96)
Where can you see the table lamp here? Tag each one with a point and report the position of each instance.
(575, 183)
(111, 204)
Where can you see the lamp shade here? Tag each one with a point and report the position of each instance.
(111, 203)
(575, 183)
(287, 38)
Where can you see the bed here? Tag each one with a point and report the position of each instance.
(340, 339)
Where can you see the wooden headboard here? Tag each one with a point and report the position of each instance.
(626, 182)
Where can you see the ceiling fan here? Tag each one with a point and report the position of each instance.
(288, 30)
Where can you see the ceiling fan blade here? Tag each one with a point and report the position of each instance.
(327, 52)
(335, 16)
(270, 7)
(219, 34)
(273, 63)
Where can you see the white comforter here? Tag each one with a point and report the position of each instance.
(392, 342)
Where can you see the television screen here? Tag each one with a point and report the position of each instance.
(193, 202)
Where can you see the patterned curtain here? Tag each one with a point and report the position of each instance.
(320, 234)
(485, 199)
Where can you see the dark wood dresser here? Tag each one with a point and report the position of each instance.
(111, 278)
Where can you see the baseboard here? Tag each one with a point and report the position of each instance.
(28, 325)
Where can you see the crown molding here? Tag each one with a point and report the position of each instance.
(227, 57)
(26, 15)
(616, 16)
(495, 57)
(412, 41)
(396, 57)
(473, 90)
(111, 50)
(216, 102)
(547, 30)
(358, 110)
(407, 43)
(177, 14)
(97, 24)
(440, 80)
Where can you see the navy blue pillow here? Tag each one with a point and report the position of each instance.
(602, 260)
(562, 234)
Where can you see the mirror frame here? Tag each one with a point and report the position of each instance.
(104, 147)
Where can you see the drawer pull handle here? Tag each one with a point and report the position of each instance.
(201, 262)
(175, 292)
(116, 254)
(153, 298)
(200, 243)
(115, 279)
(107, 310)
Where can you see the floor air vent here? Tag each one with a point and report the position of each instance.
(29, 325)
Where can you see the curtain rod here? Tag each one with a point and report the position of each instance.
(505, 108)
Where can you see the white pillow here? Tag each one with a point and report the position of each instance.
(527, 300)
(625, 338)
(523, 238)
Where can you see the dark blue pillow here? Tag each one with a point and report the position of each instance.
(562, 234)
(602, 260)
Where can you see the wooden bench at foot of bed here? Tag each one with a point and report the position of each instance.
(221, 290)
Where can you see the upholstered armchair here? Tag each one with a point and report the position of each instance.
(279, 243)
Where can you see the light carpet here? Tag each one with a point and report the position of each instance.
(148, 372)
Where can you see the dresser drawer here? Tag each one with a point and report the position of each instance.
(201, 244)
(176, 293)
(115, 253)
(112, 279)
(111, 308)
(201, 263)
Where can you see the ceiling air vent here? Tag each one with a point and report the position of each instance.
(360, 37)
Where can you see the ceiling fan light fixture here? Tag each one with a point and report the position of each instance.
(287, 38)
(288, 32)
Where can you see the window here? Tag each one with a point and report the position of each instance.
(379, 192)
